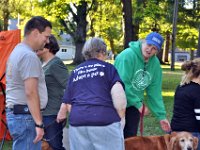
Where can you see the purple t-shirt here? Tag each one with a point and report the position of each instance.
(89, 93)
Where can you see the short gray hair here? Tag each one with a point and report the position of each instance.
(92, 47)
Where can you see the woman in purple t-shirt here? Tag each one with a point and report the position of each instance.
(96, 102)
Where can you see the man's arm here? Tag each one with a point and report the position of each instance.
(33, 101)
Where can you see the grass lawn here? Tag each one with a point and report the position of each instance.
(151, 126)
(170, 81)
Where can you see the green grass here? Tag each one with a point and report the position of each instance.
(7, 145)
(170, 81)
(70, 67)
(151, 126)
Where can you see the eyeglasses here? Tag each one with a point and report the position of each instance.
(53, 123)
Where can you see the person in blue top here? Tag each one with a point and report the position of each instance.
(96, 102)
(186, 112)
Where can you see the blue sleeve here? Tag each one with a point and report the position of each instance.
(67, 97)
(114, 76)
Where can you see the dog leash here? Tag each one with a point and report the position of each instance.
(141, 120)
(58, 132)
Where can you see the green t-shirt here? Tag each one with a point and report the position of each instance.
(56, 76)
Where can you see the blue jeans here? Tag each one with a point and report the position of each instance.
(108, 137)
(53, 132)
(197, 134)
(22, 130)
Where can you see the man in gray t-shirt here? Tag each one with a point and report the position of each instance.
(18, 71)
(26, 92)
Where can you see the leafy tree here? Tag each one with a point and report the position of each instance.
(106, 23)
(84, 18)
(106, 18)
(189, 20)
(73, 17)
(5, 12)
(21, 9)
(128, 21)
(148, 16)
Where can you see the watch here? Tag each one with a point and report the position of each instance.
(40, 125)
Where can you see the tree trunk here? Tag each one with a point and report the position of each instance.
(128, 21)
(78, 54)
(1, 27)
(166, 48)
(80, 33)
(5, 22)
(191, 54)
(136, 31)
(6, 14)
(159, 55)
(112, 45)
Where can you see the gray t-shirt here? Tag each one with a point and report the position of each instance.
(22, 64)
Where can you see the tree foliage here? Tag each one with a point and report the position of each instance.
(104, 18)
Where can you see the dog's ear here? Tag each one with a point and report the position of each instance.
(195, 142)
(172, 142)
(173, 134)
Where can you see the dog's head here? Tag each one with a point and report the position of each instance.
(183, 141)
(46, 146)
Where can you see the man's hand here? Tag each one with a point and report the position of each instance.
(165, 125)
(146, 110)
(39, 134)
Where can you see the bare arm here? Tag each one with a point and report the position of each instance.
(33, 101)
(119, 99)
(62, 114)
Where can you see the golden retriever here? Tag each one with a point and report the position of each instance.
(46, 146)
(173, 141)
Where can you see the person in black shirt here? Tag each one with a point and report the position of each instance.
(186, 113)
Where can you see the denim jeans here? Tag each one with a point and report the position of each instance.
(108, 137)
(22, 130)
(197, 134)
(53, 132)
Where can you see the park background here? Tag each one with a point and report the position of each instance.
(118, 22)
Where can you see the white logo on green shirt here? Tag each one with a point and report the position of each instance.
(141, 80)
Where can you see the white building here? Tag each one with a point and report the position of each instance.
(180, 55)
(67, 48)
(12, 24)
(66, 52)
